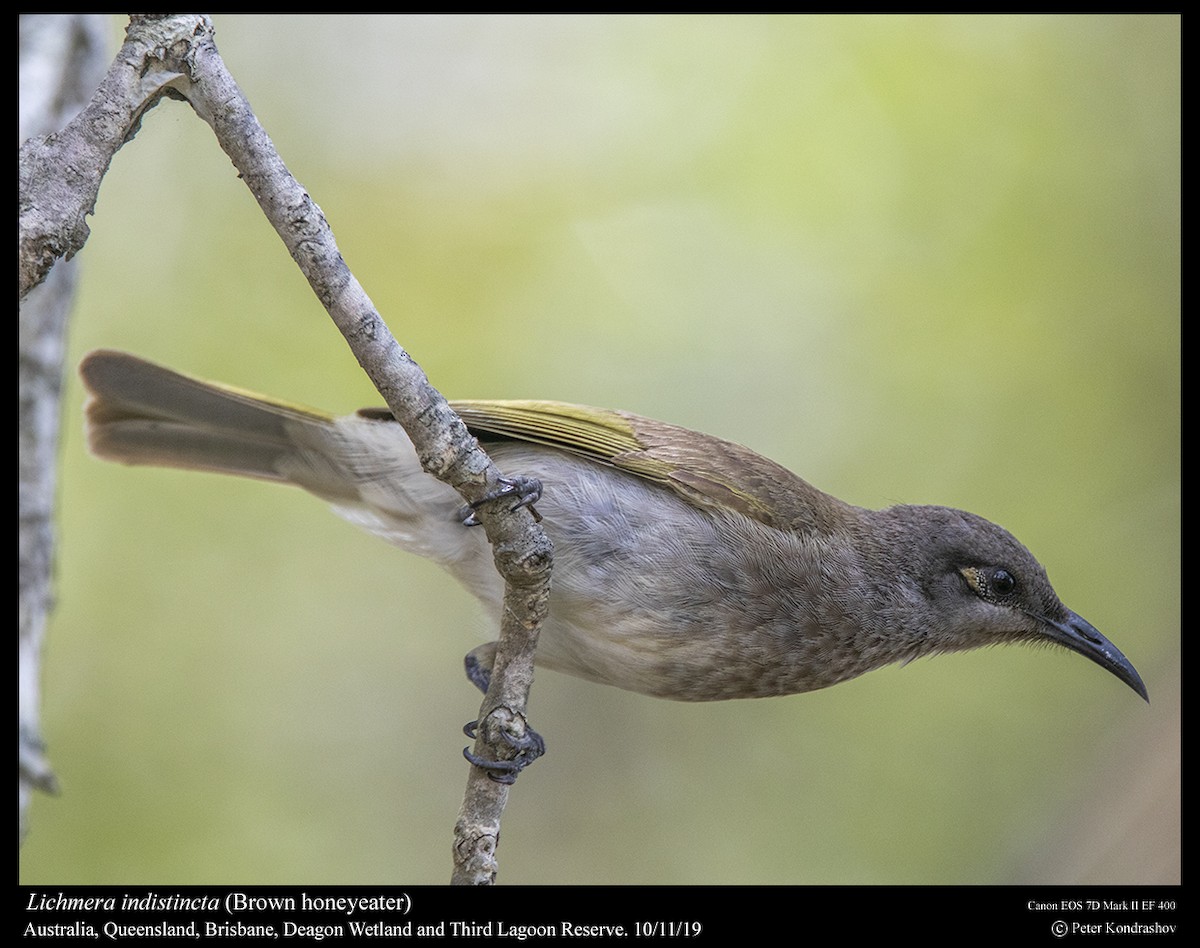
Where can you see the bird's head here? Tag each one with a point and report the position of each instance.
(975, 584)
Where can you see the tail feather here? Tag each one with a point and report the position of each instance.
(142, 413)
(365, 466)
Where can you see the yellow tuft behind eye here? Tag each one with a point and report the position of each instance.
(991, 585)
(976, 580)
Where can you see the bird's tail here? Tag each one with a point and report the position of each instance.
(364, 465)
(142, 413)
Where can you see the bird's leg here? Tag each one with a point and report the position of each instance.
(478, 666)
(528, 746)
(507, 728)
(527, 490)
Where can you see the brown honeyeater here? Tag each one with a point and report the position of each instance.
(686, 566)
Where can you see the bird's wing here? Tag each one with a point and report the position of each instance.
(706, 471)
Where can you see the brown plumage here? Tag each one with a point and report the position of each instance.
(686, 566)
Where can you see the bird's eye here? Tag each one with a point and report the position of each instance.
(1002, 582)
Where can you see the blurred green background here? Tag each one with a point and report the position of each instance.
(914, 259)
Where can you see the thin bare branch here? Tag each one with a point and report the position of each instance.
(177, 56)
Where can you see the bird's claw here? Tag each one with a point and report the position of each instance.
(529, 747)
(527, 490)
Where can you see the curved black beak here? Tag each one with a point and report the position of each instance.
(1079, 635)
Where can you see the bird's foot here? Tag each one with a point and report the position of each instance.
(526, 490)
(478, 666)
(524, 741)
